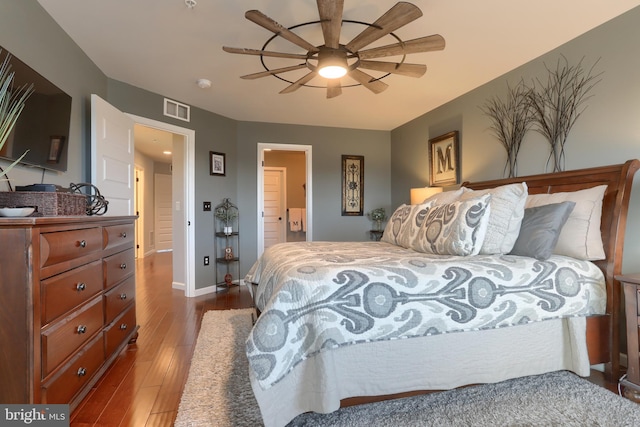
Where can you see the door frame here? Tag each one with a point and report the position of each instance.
(187, 283)
(139, 197)
(262, 147)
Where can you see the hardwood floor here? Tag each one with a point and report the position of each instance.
(144, 385)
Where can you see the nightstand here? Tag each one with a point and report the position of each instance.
(631, 287)
(375, 235)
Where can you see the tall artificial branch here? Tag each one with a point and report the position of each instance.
(559, 102)
(511, 119)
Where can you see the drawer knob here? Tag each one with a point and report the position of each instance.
(123, 327)
(124, 235)
(83, 243)
(123, 296)
(82, 329)
(81, 287)
(82, 372)
(123, 266)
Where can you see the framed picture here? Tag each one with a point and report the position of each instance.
(352, 185)
(444, 160)
(55, 148)
(216, 163)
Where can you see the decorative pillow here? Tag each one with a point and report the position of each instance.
(445, 197)
(456, 228)
(580, 237)
(403, 226)
(507, 209)
(540, 230)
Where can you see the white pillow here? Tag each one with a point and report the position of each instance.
(580, 236)
(404, 224)
(445, 197)
(507, 210)
(456, 228)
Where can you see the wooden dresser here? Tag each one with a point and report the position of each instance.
(67, 304)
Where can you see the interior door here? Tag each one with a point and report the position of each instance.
(163, 212)
(274, 206)
(112, 167)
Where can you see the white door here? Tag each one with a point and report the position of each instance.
(275, 206)
(163, 212)
(112, 169)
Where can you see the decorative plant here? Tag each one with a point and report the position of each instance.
(511, 119)
(226, 212)
(12, 102)
(559, 102)
(377, 215)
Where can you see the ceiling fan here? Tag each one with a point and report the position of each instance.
(334, 60)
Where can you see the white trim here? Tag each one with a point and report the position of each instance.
(189, 194)
(262, 147)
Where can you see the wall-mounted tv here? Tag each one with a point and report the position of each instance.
(43, 125)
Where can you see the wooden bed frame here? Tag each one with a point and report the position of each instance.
(603, 332)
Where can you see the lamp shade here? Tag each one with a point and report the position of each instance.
(419, 195)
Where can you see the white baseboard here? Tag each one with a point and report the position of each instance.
(180, 286)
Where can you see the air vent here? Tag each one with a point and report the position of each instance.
(177, 110)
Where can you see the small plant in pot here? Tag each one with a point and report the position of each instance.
(226, 214)
(377, 216)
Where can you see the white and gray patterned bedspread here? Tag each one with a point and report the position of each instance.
(317, 296)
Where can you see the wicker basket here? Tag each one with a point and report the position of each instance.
(46, 203)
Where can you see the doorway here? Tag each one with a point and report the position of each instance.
(295, 195)
(183, 193)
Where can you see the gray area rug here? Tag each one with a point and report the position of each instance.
(218, 393)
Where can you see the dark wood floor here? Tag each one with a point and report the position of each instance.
(144, 385)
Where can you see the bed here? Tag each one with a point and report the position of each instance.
(479, 299)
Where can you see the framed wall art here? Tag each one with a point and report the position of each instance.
(352, 185)
(444, 160)
(217, 165)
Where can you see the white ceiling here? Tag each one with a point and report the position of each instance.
(164, 46)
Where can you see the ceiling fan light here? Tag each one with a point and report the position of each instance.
(332, 64)
(332, 71)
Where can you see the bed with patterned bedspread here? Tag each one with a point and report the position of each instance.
(318, 296)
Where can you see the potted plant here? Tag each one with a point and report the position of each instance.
(12, 101)
(377, 215)
(226, 212)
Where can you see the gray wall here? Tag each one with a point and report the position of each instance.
(607, 132)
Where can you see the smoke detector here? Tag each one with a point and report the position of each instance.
(203, 83)
(190, 3)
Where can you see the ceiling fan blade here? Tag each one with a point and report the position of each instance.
(399, 15)
(296, 85)
(271, 25)
(403, 69)
(333, 88)
(419, 45)
(330, 12)
(245, 51)
(375, 86)
(273, 72)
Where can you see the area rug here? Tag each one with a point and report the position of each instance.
(218, 393)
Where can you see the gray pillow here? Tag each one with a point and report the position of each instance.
(540, 230)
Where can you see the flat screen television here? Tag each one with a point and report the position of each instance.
(43, 126)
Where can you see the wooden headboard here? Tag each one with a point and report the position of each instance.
(618, 179)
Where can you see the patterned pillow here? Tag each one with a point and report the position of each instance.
(403, 226)
(507, 210)
(456, 228)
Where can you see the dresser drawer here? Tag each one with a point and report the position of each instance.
(73, 376)
(63, 337)
(118, 266)
(118, 298)
(63, 292)
(120, 329)
(60, 246)
(118, 235)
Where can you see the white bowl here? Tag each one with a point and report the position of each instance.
(16, 211)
